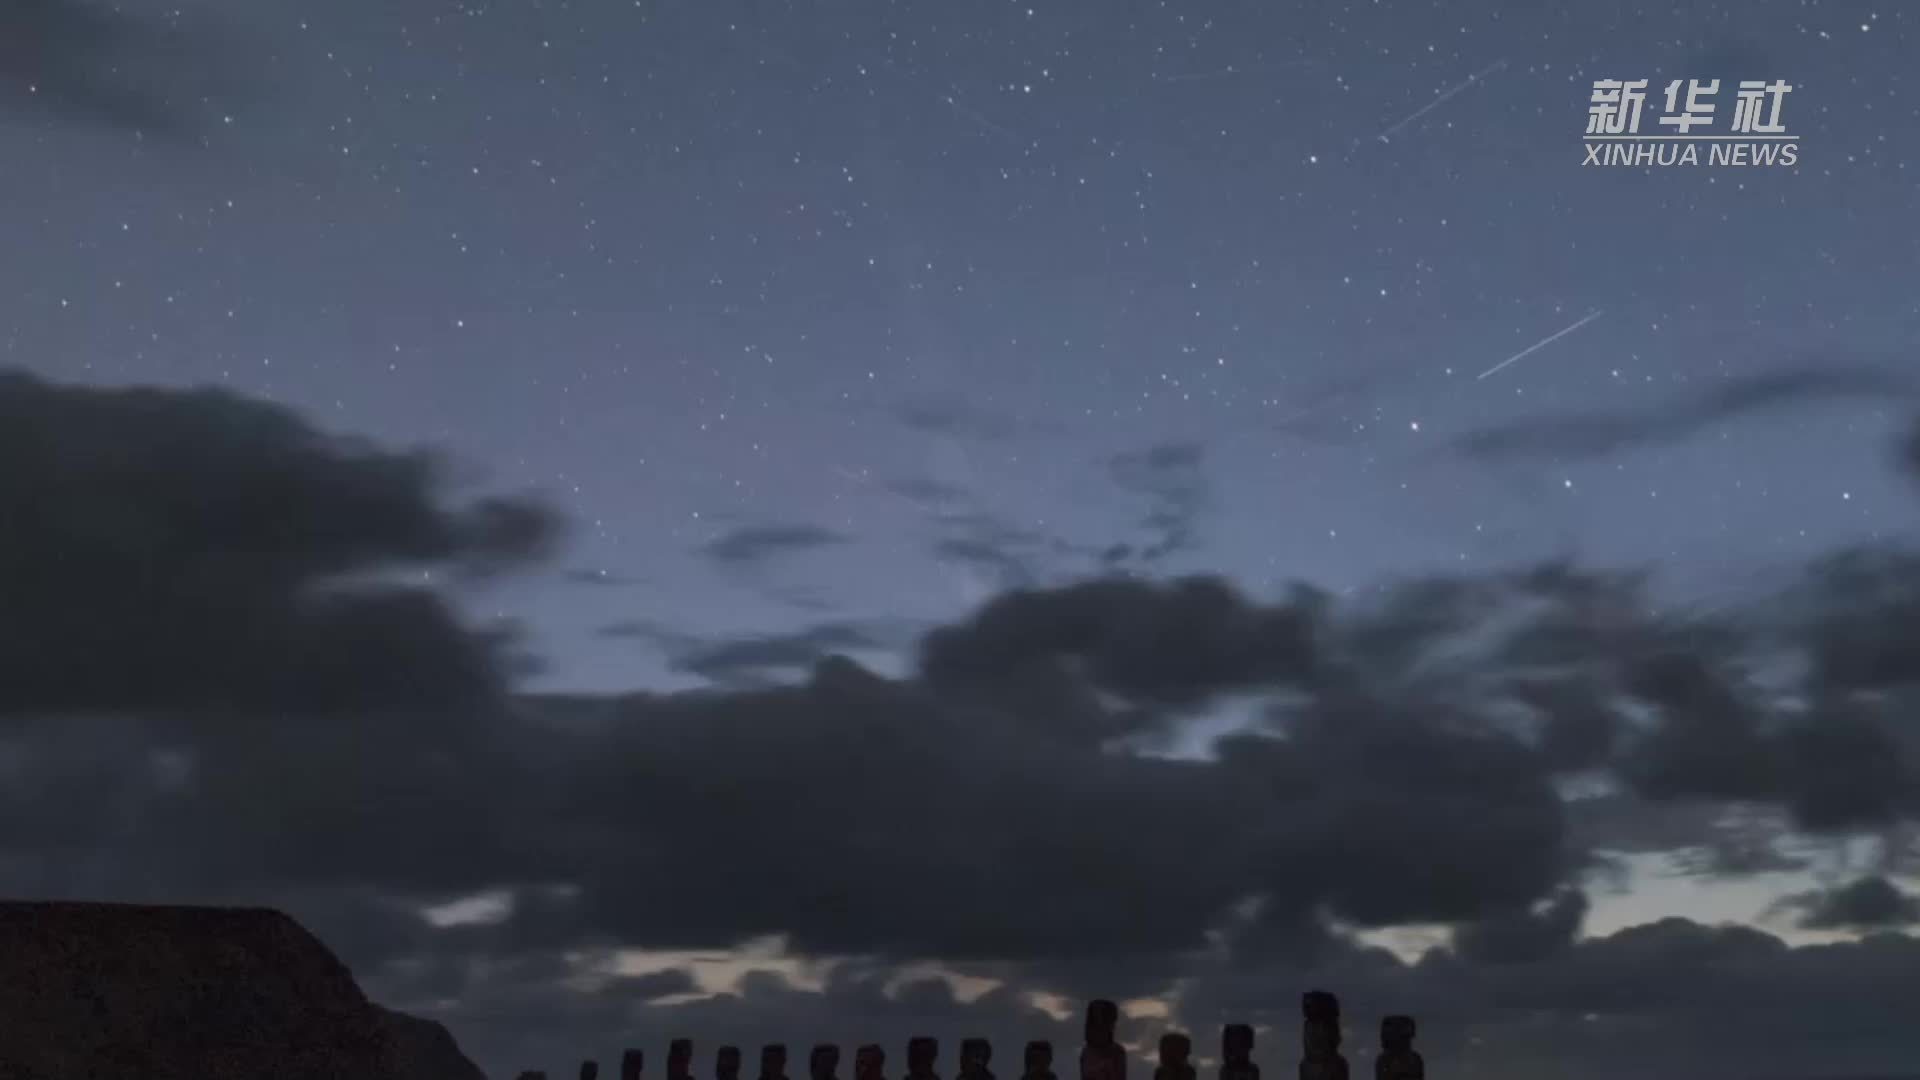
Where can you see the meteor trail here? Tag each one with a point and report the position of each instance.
(1542, 343)
(1443, 96)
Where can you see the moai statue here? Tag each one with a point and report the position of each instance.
(870, 1063)
(922, 1053)
(1176, 1057)
(1102, 1057)
(1236, 1053)
(773, 1061)
(589, 1070)
(824, 1062)
(1039, 1061)
(975, 1054)
(1398, 1059)
(726, 1063)
(632, 1064)
(1320, 1038)
(680, 1059)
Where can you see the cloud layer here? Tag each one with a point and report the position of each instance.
(101, 65)
(209, 632)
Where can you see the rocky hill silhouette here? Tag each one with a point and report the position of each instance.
(97, 991)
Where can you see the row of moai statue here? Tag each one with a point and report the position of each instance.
(1101, 1058)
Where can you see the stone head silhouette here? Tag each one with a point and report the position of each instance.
(1176, 1054)
(1102, 1017)
(823, 1062)
(1039, 1058)
(1321, 1011)
(975, 1054)
(922, 1052)
(773, 1061)
(589, 1070)
(1398, 1060)
(726, 1063)
(1320, 1037)
(1236, 1053)
(870, 1062)
(680, 1059)
(632, 1064)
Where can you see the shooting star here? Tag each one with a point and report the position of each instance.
(1441, 99)
(1542, 343)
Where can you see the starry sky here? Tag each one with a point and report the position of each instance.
(947, 338)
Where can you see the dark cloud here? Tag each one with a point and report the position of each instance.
(753, 545)
(1524, 936)
(873, 778)
(1725, 840)
(1843, 614)
(199, 551)
(350, 749)
(101, 64)
(1596, 434)
(1404, 736)
(1868, 903)
(1174, 644)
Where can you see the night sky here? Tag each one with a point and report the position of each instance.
(1074, 383)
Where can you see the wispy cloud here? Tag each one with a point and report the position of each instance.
(98, 64)
(752, 545)
(1569, 435)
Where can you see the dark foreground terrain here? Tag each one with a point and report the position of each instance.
(99, 991)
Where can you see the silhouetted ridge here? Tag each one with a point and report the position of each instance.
(113, 991)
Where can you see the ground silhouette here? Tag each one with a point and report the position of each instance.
(114, 991)
(92, 991)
